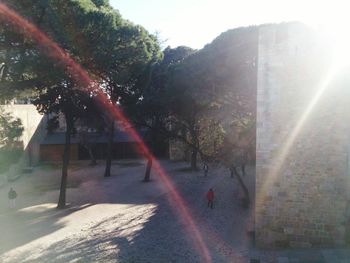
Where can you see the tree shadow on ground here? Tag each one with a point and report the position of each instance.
(37, 216)
(23, 226)
(155, 235)
(132, 240)
(144, 229)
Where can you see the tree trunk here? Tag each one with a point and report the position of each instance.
(109, 150)
(243, 169)
(154, 137)
(3, 72)
(148, 170)
(92, 157)
(194, 160)
(65, 164)
(84, 140)
(246, 201)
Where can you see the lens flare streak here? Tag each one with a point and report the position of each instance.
(52, 50)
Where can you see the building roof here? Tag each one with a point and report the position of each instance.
(93, 137)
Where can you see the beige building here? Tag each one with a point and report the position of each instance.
(34, 125)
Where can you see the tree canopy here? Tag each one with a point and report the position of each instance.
(206, 97)
(115, 53)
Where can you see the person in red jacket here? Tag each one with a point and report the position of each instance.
(210, 197)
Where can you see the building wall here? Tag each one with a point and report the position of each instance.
(302, 141)
(54, 152)
(34, 129)
(121, 150)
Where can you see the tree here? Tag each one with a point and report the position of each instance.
(153, 111)
(234, 155)
(114, 51)
(90, 121)
(218, 89)
(71, 101)
(192, 116)
(92, 33)
(235, 95)
(148, 169)
(56, 88)
(123, 82)
(118, 54)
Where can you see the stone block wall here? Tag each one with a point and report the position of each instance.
(302, 141)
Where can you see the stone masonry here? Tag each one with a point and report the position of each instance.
(302, 141)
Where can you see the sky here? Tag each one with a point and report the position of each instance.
(195, 23)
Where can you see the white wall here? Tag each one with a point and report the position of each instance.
(34, 128)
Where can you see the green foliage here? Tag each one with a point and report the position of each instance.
(207, 97)
(9, 157)
(221, 80)
(11, 130)
(115, 53)
(11, 148)
(152, 110)
(155, 96)
(100, 3)
(52, 124)
(201, 97)
(211, 137)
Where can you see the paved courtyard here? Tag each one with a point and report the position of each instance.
(122, 219)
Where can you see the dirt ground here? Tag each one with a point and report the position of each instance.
(121, 218)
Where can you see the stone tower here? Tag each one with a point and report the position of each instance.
(303, 129)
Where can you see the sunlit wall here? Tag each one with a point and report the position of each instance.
(302, 140)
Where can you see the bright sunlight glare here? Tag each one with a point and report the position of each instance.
(195, 23)
(330, 17)
(341, 39)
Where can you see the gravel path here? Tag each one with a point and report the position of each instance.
(121, 219)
